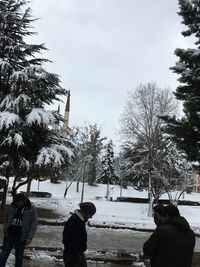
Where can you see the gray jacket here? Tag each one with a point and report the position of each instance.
(29, 223)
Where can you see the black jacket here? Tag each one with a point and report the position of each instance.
(171, 244)
(75, 235)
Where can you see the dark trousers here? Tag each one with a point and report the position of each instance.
(12, 241)
(74, 260)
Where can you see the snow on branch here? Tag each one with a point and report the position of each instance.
(21, 98)
(50, 156)
(8, 119)
(8, 102)
(24, 74)
(7, 141)
(64, 149)
(18, 140)
(24, 164)
(4, 65)
(40, 116)
(5, 164)
(18, 76)
(10, 139)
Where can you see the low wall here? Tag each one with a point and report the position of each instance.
(160, 201)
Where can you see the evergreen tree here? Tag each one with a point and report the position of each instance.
(93, 148)
(185, 131)
(168, 169)
(119, 170)
(107, 165)
(29, 147)
(134, 166)
(108, 175)
(88, 146)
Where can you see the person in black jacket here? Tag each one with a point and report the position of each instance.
(75, 236)
(172, 243)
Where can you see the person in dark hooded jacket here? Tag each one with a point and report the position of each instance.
(172, 243)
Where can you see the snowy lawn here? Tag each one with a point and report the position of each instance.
(108, 212)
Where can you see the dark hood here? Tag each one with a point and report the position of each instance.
(28, 203)
(179, 222)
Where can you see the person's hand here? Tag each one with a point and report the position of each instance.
(28, 241)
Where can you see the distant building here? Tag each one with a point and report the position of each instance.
(64, 129)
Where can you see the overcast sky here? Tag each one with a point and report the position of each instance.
(103, 48)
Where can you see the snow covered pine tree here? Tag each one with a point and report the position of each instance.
(29, 145)
(93, 145)
(108, 175)
(185, 132)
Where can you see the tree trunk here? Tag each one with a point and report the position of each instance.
(4, 196)
(150, 197)
(14, 192)
(16, 187)
(107, 193)
(66, 188)
(77, 186)
(156, 200)
(121, 184)
(28, 189)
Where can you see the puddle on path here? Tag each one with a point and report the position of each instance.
(33, 263)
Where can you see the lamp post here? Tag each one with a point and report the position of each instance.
(149, 184)
(121, 184)
(83, 176)
(150, 197)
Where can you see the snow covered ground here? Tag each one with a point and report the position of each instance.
(108, 212)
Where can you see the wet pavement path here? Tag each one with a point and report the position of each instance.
(109, 240)
(98, 239)
(60, 264)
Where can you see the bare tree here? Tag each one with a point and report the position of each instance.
(141, 114)
(141, 125)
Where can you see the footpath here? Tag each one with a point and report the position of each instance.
(113, 246)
